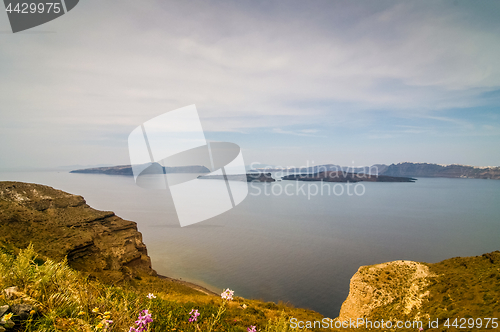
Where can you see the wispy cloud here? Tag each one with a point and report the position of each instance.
(381, 136)
(302, 132)
(455, 121)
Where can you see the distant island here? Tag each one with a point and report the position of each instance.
(249, 177)
(346, 177)
(153, 169)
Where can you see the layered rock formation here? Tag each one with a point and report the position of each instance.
(62, 225)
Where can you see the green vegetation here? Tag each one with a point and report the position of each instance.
(464, 287)
(68, 300)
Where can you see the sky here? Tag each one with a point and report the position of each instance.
(293, 83)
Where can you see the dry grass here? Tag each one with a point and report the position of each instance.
(67, 300)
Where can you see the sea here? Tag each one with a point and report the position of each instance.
(291, 242)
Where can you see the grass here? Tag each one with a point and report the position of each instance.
(465, 287)
(68, 300)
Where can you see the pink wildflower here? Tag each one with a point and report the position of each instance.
(142, 322)
(194, 315)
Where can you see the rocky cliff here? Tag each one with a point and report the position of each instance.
(62, 225)
(406, 290)
(401, 284)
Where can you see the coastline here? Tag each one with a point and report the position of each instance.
(189, 284)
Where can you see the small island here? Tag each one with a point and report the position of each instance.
(249, 177)
(328, 176)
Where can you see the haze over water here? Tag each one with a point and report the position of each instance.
(294, 249)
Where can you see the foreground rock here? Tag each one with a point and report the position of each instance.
(62, 225)
(14, 314)
(377, 286)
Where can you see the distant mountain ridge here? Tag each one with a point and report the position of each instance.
(405, 169)
(444, 171)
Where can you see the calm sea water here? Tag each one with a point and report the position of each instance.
(297, 249)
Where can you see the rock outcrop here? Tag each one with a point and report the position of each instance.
(400, 284)
(260, 177)
(412, 291)
(62, 225)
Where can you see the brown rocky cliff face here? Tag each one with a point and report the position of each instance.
(62, 225)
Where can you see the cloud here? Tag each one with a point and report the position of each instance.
(405, 56)
(381, 136)
(454, 121)
(302, 132)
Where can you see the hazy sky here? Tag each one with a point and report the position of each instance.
(291, 82)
